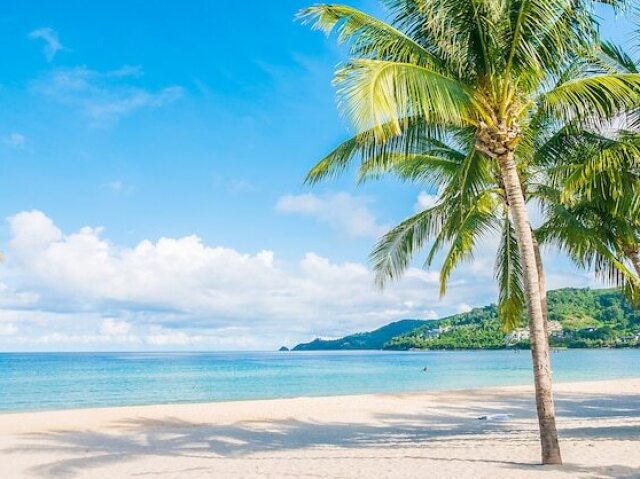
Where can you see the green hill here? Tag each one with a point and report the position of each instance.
(589, 318)
(369, 340)
(581, 318)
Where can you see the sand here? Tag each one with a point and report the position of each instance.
(417, 435)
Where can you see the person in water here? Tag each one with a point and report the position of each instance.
(425, 369)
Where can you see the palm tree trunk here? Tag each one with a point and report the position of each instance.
(542, 286)
(537, 328)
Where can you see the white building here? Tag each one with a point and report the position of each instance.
(554, 328)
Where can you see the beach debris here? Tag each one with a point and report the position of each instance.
(495, 417)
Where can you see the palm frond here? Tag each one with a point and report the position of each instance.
(511, 301)
(429, 169)
(368, 36)
(395, 250)
(366, 145)
(600, 96)
(464, 33)
(476, 222)
(614, 59)
(588, 243)
(373, 93)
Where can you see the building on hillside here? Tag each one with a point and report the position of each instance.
(517, 335)
(433, 333)
(554, 329)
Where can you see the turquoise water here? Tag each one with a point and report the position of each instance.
(77, 380)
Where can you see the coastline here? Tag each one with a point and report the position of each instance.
(519, 388)
(65, 381)
(371, 435)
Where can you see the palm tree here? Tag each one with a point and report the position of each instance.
(597, 186)
(472, 204)
(592, 202)
(480, 69)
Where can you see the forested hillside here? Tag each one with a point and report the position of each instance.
(589, 318)
(582, 318)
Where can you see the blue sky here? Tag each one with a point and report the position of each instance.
(152, 159)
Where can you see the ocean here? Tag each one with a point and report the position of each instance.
(48, 381)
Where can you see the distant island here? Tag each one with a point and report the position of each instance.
(578, 318)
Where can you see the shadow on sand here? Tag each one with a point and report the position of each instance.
(449, 429)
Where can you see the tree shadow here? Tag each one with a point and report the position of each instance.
(433, 431)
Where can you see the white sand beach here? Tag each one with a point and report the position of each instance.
(414, 435)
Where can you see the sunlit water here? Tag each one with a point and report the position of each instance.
(58, 381)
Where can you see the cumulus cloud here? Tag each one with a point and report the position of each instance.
(103, 96)
(51, 41)
(343, 212)
(79, 286)
(185, 275)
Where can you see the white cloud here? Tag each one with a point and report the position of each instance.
(343, 212)
(7, 329)
(15, 140)
(113, 327)
(183, 274)
(103, 97)
(52, 43)
(78, 290)
(182, 292)
(463, 308)
(425, 200)
(162, 337)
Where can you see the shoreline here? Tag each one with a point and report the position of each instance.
(469, 390)
(372, 435)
